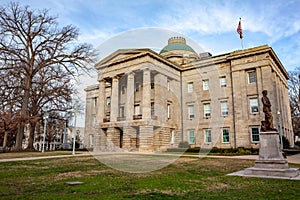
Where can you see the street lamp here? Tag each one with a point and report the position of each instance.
(45, 117)
(74, 137)
(280, 130)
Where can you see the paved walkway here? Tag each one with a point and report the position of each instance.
(291, 159)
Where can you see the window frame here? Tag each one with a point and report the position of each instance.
(257, 134)
(223, 112)
(190, 87)
(252, 79)
(135, 109)
(137, 86)
(205, 84)
(172, 136)
(168, 110)
(222, 78)
(122, 111)
(108, 101)
(194, 137)
(225, 129)
(205, 113)
(191, 115)
(207, 139)
(252, 107)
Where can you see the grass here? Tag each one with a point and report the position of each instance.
(187, 178)
(35, 154)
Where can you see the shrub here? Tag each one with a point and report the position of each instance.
(183, 145)
(286, 143)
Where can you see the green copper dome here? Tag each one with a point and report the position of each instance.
(177, 43)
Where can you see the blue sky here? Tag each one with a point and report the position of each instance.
(210, 23)
(113, 24)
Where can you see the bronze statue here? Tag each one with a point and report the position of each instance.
(267, 125)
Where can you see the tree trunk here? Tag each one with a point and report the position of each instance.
(5, 140)
(24, 115)
(31, 136)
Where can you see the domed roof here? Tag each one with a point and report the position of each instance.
(177, 43)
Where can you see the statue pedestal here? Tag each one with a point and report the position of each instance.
(271, 162)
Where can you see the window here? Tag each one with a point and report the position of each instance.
(137, 86)
(254, 134)
(152, 83)
(123, 89)
(168, 85)
(224, 108)
(136, 109)
(191, 136)
(95, 103)
(253, 105)
(207, 110)
(152, 108)
(223, 81)
(94, 120)
(172, 136)
(91, 138)
(190, 87)
(205, 84)
(191, 111)
(252, 77)
(169, 111)
(122, 111)
(207, 135)
(108, 101)
(225, 135)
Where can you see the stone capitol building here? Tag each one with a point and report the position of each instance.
(148, 102)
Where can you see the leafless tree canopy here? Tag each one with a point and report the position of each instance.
(38, 60)
(294, 92)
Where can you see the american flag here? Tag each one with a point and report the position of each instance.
(239, 29)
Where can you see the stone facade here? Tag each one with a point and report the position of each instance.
(147, 101)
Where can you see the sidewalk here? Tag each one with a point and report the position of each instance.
(291, 159)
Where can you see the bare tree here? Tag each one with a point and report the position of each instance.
(294, 93)
(31, 43)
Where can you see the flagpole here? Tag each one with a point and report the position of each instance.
(242, 43)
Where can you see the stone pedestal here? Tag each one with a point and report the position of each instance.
(271, 162)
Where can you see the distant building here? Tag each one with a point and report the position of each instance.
(146, 101)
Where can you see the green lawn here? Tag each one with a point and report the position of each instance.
(187, 178)
(35, 154)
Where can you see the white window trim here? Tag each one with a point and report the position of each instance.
(172, 136)
(205, 86)
(205, 140)
(221, 82)
(190, 87)
(206, 114)
(255, 112)
(251, 127)
(169, 111)
(226, 114)
(189, 141)
(248, 74)
(189, 114)
(223, 135)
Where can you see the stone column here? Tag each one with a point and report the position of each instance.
(114, 111)
(101, 101)
(97, 140)
(160, 98)
(129, 106)
(146, 104)
(146, 139)
(129, 133)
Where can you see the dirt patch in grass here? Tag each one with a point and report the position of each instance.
(79, 174)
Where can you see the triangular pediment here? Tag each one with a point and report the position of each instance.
(123, 55)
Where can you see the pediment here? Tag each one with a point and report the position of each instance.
(123, 55)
